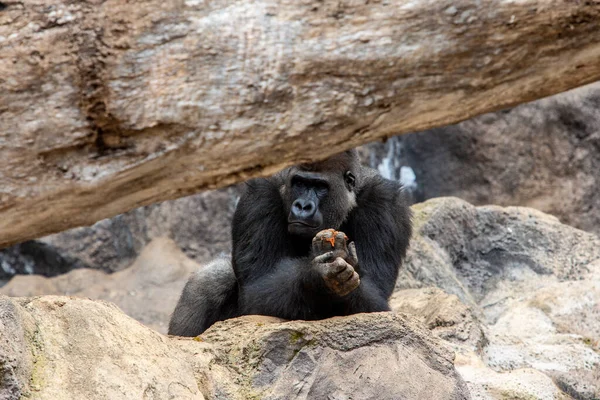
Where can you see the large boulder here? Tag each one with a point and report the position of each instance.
(69, 348)
(528, 321)
(199, 224)
(544, 154)
(66, 348)
(148, 290)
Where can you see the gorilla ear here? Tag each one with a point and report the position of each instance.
(350, 179)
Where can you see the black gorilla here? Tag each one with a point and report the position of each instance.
(313, 241)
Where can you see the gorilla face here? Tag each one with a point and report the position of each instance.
(307, 192)
(319, 196)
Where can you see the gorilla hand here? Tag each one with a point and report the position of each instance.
(336, 261)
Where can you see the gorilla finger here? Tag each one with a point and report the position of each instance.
(317, 245)
(336, 267)
(353, 257)
(325, 257)
(345, 275)
(340, 241)
(354, 282)
(349, 286)
(340, 254)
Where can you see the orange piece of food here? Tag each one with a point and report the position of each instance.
(331, 240)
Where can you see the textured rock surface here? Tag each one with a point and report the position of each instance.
(111, 105)
(147, 291)
(36, 257)
(68, 348)
(534, 285)
(444, 314)
(367, 356)
(199, 224)
(469, 251)
(515, 293)
(80, 349)
(544, 155)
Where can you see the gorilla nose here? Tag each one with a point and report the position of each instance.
(303, 208)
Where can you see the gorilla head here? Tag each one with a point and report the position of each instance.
(320, 195)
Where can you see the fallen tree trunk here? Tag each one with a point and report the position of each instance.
(107, 106)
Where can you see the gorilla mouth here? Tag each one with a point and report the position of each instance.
(302, 224)
(302, 228)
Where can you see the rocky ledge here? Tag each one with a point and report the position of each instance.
(492, 303)
(71, 348)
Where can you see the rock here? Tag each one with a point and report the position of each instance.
(471, 250)
(16, 355)
(36, 257)
(111, 105)
(486, 384)
(79, 348)
(532, 283)
(581, 384)
(199, 224)
(445, 315)
(147, 291)
(544, 154)
(512, 291)
(82, 349)
(356, 357)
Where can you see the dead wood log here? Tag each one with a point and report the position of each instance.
(110, 105)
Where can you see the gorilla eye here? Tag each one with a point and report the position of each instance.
(349, 178)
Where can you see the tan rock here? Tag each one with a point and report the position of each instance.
(521, 383)
(147, 291)
(82, 349)
(445, 315)
(110, 105)
(533, 284)
(70, 348)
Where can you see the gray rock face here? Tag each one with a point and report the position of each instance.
(475, 248)
(366, 356)
(148, 290)
(199, 224)
(531, 287)
(36, 257)
(544, 154)
(86, 349)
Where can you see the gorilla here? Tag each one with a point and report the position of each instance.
(311, 242)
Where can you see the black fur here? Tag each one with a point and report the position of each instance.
(274, 269)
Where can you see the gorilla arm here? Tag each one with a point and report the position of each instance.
(381, 226)
(299, 289)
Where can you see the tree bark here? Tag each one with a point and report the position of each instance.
(110, 105)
